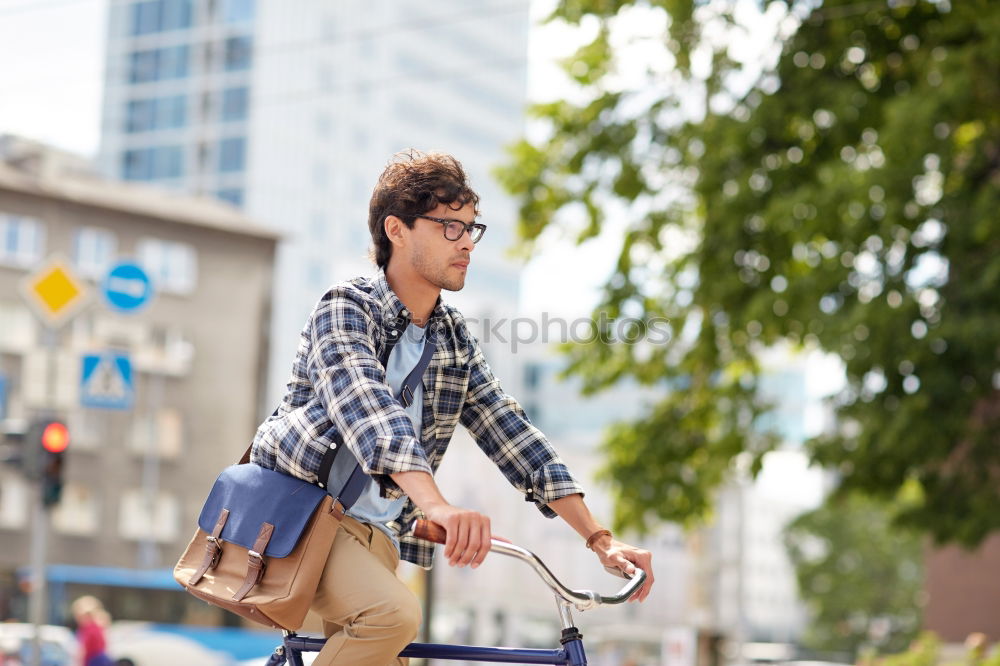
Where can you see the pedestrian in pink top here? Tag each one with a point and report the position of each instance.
(91, 621)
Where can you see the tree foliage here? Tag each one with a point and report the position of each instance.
(861, 578)
(846, 201)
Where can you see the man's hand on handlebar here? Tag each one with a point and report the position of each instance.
(617, 555)
(468, 540)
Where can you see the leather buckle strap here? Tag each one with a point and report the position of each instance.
(213, 548)
(255, 562)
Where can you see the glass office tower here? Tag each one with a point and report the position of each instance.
(290, 110)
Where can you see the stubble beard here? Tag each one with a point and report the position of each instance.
(437, 275)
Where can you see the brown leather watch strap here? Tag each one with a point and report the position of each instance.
(255, 561)
(592, 539)
(213, 548)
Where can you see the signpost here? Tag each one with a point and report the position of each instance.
(56, 295)
(128, 289)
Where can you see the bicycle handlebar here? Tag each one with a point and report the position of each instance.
(581, 599)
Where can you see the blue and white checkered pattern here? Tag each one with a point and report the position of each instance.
(338, 392)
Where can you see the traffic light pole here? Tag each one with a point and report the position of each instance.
(39, 589)
(37, 606)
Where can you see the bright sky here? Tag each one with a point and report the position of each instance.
(51, 77)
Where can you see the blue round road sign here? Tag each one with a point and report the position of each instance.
(127, 287)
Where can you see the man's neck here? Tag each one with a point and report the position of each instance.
(417, 294)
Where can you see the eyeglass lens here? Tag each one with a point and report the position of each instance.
(454, 230)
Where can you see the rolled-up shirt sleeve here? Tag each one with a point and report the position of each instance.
(350, 382)
(504, 433)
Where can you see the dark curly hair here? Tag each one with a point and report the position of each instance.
(413, 183)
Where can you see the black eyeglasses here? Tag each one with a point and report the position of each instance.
(453, 229)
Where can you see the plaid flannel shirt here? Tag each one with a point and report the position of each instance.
(338, 392)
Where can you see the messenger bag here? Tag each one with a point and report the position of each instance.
(263, 537)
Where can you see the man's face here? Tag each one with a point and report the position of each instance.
(433, 257)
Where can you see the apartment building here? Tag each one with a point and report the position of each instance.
(135, 476)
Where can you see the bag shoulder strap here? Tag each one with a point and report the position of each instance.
(355, 484)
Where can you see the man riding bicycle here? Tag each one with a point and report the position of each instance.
(362, 340)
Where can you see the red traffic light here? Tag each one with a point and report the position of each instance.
(55, 437)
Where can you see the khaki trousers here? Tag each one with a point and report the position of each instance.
(369, 615)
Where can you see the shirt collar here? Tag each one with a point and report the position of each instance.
(393, 308)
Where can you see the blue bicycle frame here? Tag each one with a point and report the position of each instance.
(570, 654)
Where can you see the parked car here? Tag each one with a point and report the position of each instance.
(17, 642)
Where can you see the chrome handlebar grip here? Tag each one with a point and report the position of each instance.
(581, 599)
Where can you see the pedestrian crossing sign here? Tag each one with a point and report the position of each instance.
(106, 381)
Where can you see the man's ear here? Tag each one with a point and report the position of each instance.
(394, 227)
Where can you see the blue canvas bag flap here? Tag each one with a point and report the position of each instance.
(254, 496)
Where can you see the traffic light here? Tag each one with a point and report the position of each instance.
(55, 439)
(44, 448)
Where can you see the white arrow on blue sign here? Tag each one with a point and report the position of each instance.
(127, 287)
(106, 381)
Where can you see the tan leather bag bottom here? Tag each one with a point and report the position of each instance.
(281, 598)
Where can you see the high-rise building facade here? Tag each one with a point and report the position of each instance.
(291, 110)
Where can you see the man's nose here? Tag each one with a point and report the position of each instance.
(465, 241)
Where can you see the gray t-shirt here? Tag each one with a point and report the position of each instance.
(371, 508)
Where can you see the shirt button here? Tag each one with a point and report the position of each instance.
(404, 312)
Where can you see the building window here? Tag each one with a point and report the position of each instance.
(15, 500)
(155, 163)
(324, 125)
(152, 16)
(142, 517)
(316, 273)
(17, 335)
(145, 115)
(172, 266)
(239, 52)
(145, 18)
(94, 250)
(232, 154)
(237, 11)
(172, 62)
(78, 512)
(233, 195)
(321, 174)
(160, 435)
(22, 240)
(533, 376)
(234, 103)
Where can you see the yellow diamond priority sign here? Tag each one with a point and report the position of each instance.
(54, 292)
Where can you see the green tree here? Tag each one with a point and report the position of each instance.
(860, 578)
(846, 201)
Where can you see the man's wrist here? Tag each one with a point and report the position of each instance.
(600, 537)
